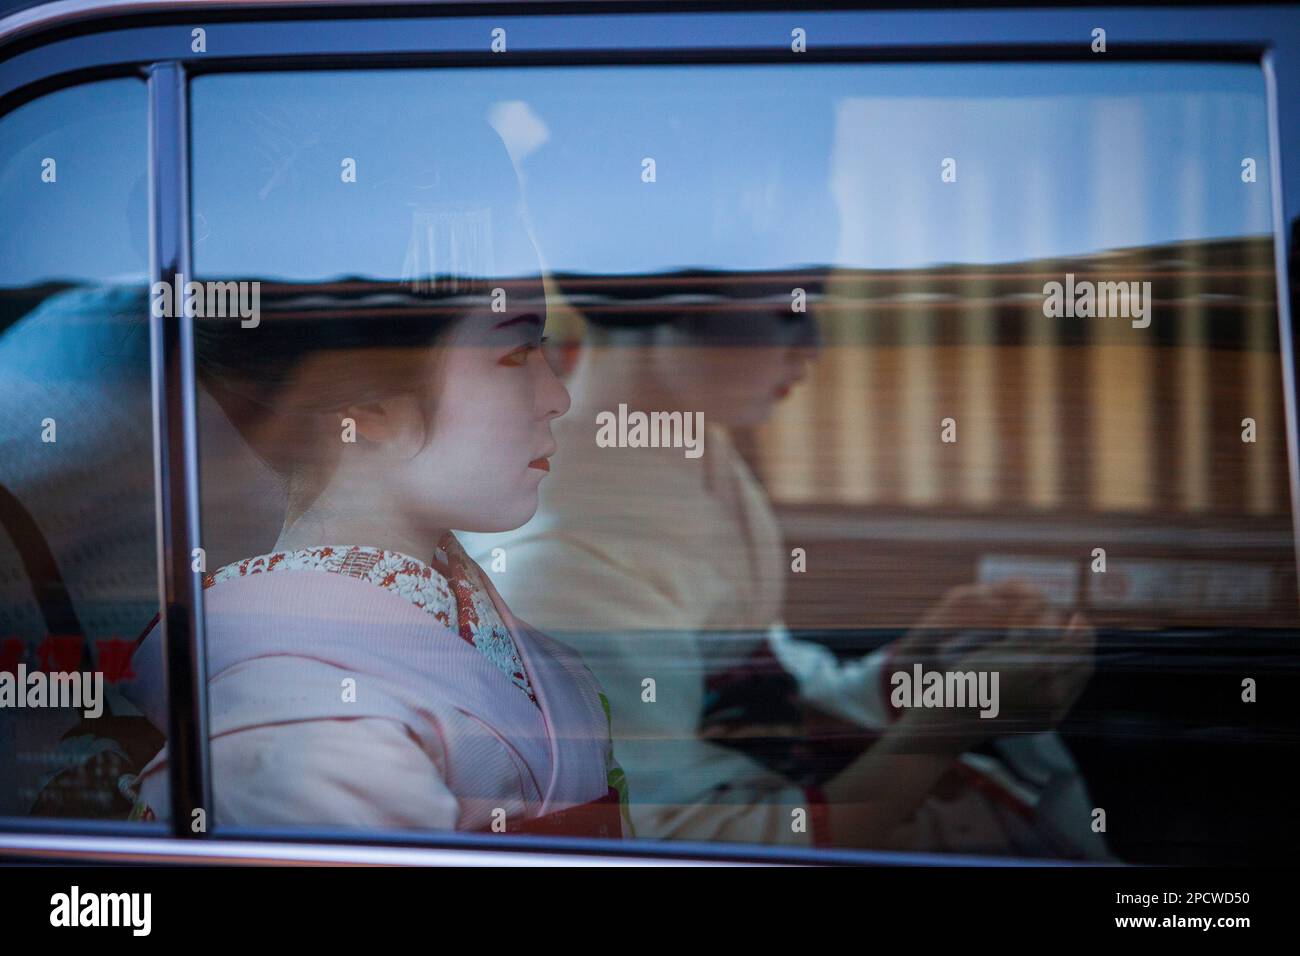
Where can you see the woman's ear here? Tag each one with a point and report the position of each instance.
(397, 420)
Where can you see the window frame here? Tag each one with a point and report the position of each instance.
(42, 50)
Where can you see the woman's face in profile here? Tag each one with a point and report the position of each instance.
(736, 368)
(490, 437)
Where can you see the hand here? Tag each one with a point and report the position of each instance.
(1041, 672)
(1043, 663)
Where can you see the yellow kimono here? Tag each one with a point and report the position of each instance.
(679, 571)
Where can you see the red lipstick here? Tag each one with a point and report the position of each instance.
(541, 464)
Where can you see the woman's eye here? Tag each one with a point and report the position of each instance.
(517, 357)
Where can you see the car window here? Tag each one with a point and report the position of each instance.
(854, 375)
(78, 573)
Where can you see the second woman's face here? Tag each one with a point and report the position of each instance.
(736, 369)
(491, 432)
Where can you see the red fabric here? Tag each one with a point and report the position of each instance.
(819, 815)
(993, 790)
(599, 818)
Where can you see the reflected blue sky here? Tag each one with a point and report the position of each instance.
(91, 223)
(758, 167)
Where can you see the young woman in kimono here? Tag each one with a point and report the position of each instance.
(362, 671)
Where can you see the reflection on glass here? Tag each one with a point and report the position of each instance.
(78, 581)
(871, 372)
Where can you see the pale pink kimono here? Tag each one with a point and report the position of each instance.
(333, 701)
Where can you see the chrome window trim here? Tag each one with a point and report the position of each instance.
(1282, 258)
(165, 850)
(62, 13)
(176, 456)
(30, 844)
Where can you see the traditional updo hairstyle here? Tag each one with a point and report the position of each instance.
(322, 346)
(703, 306)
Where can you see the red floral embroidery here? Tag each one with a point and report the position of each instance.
(459, 593)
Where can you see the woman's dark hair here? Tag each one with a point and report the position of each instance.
(278, 383)
(709, 305)
(450, 214)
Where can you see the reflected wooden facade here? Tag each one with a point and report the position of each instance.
(1072, 433)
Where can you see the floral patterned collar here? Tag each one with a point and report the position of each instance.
(456, 594)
